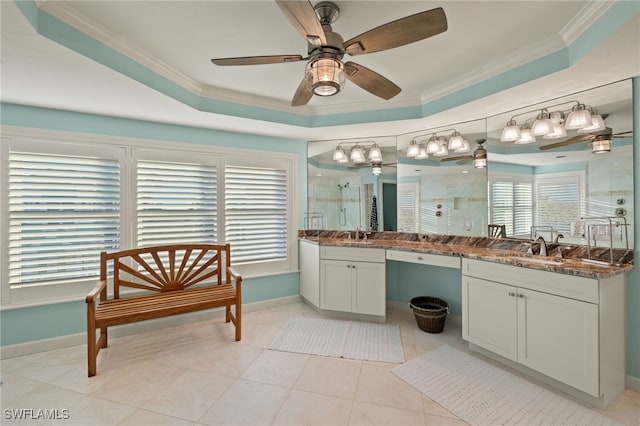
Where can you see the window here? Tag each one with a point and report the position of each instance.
(176, 202)
(559, 201)
(63, 210)
(407, 207)
(256, 213)
(511, 204)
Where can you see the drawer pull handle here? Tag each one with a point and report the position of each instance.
(511, 293)
(420, 258)
(521, 296)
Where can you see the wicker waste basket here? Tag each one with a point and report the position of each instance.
(430, 313)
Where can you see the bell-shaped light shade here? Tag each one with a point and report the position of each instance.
(558, 132)
(525, 135)
(465, 146)
(601, 146)
(326, 76)
(376, 169)
(511, 132)
(442, 148)
(413, 149)
(597, 125)
(357, 154)
(422, 154)
(433, 145)
(375, 154)
(339, 154)
(455, 141)
(543, 125)
(578, 118)
(480, 158)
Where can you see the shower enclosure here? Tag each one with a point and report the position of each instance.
(337, 201)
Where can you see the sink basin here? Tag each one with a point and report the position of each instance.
(536, 260)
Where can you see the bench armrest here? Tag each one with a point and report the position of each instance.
(91, 297)
(234, 274)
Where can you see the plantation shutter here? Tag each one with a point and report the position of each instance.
(407, 208)
(63, 211)
(176, 203)
(512, 205)
(502, 211)
(256, 213)
(522, 208)
(558, 203)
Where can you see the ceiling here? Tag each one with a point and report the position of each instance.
(176, 40)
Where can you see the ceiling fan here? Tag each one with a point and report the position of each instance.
(593, 138)
(480, 151)
(325, 72)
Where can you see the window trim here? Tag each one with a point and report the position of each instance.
(11, 135)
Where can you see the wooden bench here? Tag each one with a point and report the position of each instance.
(171, 279)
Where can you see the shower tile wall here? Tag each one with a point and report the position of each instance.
(324, 197)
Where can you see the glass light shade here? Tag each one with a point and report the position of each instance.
(511, 132)
(357, 154)
(423, 153)
(601, 146)
(526, 136)
(413, 149)
(375, 154)
(597, 124)
(343, 160)
(480, 158)
(465, 146)
(558, 132)
(578, 118)
(442, 148)
(455, 141)
(433, 145)
(326, 76)
(376, 169)
(556, 117)
(339, 154)
(542, 125)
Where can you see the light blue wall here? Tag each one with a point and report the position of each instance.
(41, 322)
(633, 279)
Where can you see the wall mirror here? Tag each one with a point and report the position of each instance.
(440, 190)
(571, 183)
(352, 183)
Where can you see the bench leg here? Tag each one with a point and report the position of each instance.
(92, 352)
(238, 321)
(103, 337)
(227, 315)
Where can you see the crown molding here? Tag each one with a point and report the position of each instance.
(587, 16)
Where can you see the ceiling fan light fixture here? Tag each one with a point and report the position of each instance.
(376, 169)
(601, 146)
(413, 149)
(511, 132)
(456, 141)
(480, 158)
(357, 154)
(578, 118)
(326, 76)
(375, 154)
(542, 125)
(558, 132)
(597, 125)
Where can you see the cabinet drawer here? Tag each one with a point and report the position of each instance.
(424, 258)
(355, 254)
(579, 288)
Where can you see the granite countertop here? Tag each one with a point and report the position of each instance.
(494, 250)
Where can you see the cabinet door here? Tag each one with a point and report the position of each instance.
(559, 337)
(369, 289)
(335, 285)
(310, 272)
(489, 316)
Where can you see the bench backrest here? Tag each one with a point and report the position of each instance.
(167, 267)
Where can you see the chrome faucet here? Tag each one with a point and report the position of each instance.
(558, 236)
(543, 245)
(358, 233)
(347, 233)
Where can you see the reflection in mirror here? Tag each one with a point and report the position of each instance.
(574, 188)
(443, 188)
(350, 186)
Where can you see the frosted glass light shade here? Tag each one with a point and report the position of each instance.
(526, 136)
(597, 125)
(558, 132)
(433, 146)
(413, 149)
(422, 154)
(375, 154)
(326, 76)
(578, 118)
(511, 132)
(339, 154)
(376, 169)
(601, 146)
(455, 141)
(465, 146)
(357, 154)
(542, 125)
(442, 148)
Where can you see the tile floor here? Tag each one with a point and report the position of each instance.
(197, 375)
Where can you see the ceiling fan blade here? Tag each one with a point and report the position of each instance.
(566, 142)
(257, 60)
(371, 81)
(304, 19)
(458, 158)
(303, 94)
(398, 33)
(627, 134)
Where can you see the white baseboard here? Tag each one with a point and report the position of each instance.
(633, 383)
(43, 345)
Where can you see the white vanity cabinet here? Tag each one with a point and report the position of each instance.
(569, 328)
(310, 272)
(352, 279)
